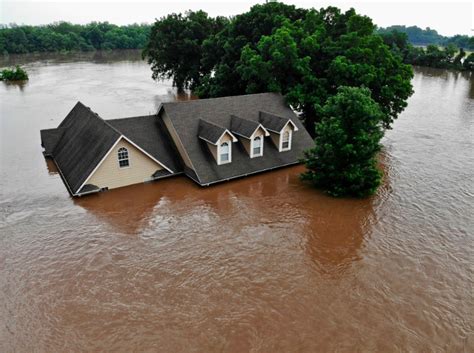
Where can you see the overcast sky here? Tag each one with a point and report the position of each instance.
(447, 17)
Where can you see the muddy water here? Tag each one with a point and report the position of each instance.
(263, 264)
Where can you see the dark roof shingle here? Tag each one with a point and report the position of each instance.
(85, 141)
(185, 117)
(150, 134)
(209, 131)
(50, 138)
(272, 122)
(243, 127)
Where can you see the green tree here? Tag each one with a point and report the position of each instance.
(64, 36)
(222, 51)
(343, 160)
(13, 74)
(306, 60)
(175, 47)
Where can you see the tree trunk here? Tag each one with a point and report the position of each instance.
(310, 120)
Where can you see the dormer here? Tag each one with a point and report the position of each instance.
(218, 139)
(251, 133)
(281, 130)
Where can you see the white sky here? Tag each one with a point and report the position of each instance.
(447, 17)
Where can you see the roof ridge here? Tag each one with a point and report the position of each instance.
(132, 117)
(103, 120)
(211, 123)
(82, 105)
(216, 98)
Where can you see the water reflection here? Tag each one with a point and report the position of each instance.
(14, 85)
(331, 233)
(127, 209)
(51, 166)
(98, 57)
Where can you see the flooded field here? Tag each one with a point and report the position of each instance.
(262, 264)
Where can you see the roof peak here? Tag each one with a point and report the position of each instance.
(219, 98)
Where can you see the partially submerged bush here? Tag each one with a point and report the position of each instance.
(13, 74)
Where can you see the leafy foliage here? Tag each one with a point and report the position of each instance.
(309, 58)
(222, 51)
(175, 46)
(13, 74)
(64, 36)
(343, 160)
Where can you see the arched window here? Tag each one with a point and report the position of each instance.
(123, 157)
(257, 146)
(224, 152)
(286, 141)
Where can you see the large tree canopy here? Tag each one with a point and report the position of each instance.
(175, 49)
(304, 54)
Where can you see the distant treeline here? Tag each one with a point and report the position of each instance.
(418, 36)
(449, 57)
(64, 36)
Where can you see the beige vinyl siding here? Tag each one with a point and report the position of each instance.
(110, 175)
(275, 138)
(176, 140)
(245, 143)
(213, 150)
(225, 138)
(288, 127)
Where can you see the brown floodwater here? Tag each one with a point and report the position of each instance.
(262, 264)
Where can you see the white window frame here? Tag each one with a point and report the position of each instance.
(219, 153)
(119, 159)
(290, 136)
(252, 141)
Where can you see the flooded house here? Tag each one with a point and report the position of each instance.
(208, 140)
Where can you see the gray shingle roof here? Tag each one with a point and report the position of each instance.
(272, 122)
(243, 127)
(50, 138)
(185, 117)
(85, 141)
(209, 131)
(83, 138)
(149, 133)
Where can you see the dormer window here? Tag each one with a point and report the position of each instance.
(281, 129)
(224, 153)
(286, 140)
(257, 146)
(123, 160)
(218, 139)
